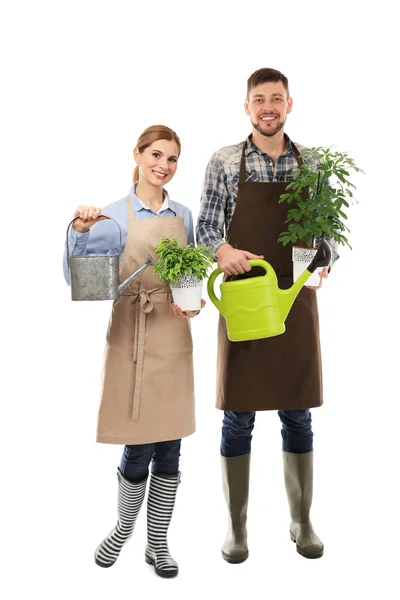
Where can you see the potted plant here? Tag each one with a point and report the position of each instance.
(320, 193)
(183, 268)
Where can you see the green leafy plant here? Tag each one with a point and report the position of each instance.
(321, 193)
(176, 261)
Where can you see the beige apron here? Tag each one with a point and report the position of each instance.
(148, 383)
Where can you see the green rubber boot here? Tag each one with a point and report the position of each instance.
(235, 483)
(298, 471)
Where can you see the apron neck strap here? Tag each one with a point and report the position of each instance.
(242, 172)
(131, 212)
(297, 155)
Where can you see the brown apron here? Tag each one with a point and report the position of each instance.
(148, 382)
(282, 372)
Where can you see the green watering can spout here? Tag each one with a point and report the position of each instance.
(287, 297)
(255, 307)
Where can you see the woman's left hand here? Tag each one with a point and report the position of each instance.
(323, 274)
(186, 313)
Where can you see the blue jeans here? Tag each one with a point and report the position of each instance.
(237, 427)
(164, 456)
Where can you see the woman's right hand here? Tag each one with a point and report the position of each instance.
(88, 216)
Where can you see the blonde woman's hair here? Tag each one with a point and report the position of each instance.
(153, 134)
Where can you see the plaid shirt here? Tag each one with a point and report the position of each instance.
(220, 188)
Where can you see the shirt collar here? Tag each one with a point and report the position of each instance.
(139, 205)
(251, 147)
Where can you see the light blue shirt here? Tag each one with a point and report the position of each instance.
(103, 238)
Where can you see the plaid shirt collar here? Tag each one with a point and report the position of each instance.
(251, 147)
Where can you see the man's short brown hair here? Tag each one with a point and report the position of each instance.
(264, 75)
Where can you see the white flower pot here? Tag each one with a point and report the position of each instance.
(187, 292)
(302, 257)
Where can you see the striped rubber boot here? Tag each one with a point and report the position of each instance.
(160, 504)
(130, 499)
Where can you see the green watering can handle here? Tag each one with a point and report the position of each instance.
(258, 262)
(210, 287)
(255, 262)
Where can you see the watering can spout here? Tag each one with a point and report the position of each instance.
(124, 284)
(287, 297)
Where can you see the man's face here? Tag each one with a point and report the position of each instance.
(268, 106)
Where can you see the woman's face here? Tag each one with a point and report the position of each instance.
(158, 162)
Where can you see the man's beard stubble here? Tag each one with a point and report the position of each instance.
(270, 133)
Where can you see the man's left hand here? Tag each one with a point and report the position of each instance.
(323, 274)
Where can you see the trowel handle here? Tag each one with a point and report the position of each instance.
(210, 287)
(322, 258)
(100, 218)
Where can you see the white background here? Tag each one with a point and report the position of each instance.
(80, 81)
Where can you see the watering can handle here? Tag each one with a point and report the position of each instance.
(255, 262)
(210, 287)
(258, 262)
(104, 217)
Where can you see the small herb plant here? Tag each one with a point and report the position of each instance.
(177, 261)
(321, 194)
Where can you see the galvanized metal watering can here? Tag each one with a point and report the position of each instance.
(96, 276)
(257, 308)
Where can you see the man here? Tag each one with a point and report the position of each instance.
(240, 197)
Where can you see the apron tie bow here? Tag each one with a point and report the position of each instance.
(146, 304)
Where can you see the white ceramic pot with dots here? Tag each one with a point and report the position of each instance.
(301, 258)
(187, 292)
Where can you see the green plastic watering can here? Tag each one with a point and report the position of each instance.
(256, 308)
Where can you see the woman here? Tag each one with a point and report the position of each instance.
(148, 393)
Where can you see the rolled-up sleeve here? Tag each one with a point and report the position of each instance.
(211, 219)
(334, 249)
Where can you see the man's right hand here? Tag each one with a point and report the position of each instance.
(88, 216)
(234, 262)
